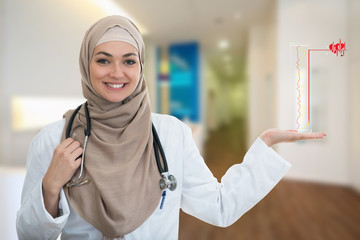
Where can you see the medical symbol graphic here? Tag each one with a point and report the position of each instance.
(303, 54)
(338, 48)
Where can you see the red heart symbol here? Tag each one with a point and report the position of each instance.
(342, 46)
(332, 47)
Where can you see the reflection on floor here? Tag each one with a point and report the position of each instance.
(292, 210)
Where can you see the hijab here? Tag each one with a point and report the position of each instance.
(119, 161)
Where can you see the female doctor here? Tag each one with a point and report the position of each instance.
(114, 170)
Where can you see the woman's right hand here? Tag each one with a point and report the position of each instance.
(66, 159)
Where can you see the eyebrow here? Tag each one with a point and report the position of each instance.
(109, 55)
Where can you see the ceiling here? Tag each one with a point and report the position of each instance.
(206, 21)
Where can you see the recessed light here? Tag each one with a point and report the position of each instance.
(223, 44)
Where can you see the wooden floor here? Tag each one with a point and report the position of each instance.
(293, 210)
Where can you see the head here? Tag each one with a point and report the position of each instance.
(112, 60)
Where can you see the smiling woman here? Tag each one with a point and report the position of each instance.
(114, 70)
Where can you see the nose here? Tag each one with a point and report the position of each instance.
(116, 71)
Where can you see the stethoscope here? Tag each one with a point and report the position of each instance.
(167, 180)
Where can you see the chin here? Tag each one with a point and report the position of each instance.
(115, 99)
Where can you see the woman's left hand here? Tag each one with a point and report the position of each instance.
(273, 136)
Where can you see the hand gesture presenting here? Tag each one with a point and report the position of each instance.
(66, 159)
(273, 136)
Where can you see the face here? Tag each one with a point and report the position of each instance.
(115, 70)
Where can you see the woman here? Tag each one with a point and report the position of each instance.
(116, 193)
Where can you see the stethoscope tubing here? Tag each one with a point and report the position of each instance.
(158, 147)
(87, 132)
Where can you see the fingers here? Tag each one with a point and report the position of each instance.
(71, 146)
(307, 136)
(77, 162)
(314, 135)
(66, 156)
(75, 149)
(77, 154)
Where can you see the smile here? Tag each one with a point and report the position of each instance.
(115, 85)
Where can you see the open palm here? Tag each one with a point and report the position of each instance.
(273, 136)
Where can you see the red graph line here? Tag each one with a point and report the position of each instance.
(309, 50)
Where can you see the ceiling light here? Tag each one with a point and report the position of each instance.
(223, 44)
(112, 8)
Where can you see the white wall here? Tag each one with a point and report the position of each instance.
(40, 42)
(1, 82)
(262, 78)
(317, 23)
(354, 55)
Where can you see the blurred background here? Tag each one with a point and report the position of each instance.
(226, 68)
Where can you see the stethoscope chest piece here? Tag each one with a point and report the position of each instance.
(168, 181)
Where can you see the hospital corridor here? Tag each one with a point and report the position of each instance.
(229, 70)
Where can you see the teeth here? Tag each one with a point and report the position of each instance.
(115, 85)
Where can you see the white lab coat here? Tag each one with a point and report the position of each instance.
(198, 192)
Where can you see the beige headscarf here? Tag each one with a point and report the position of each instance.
(119, 161)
